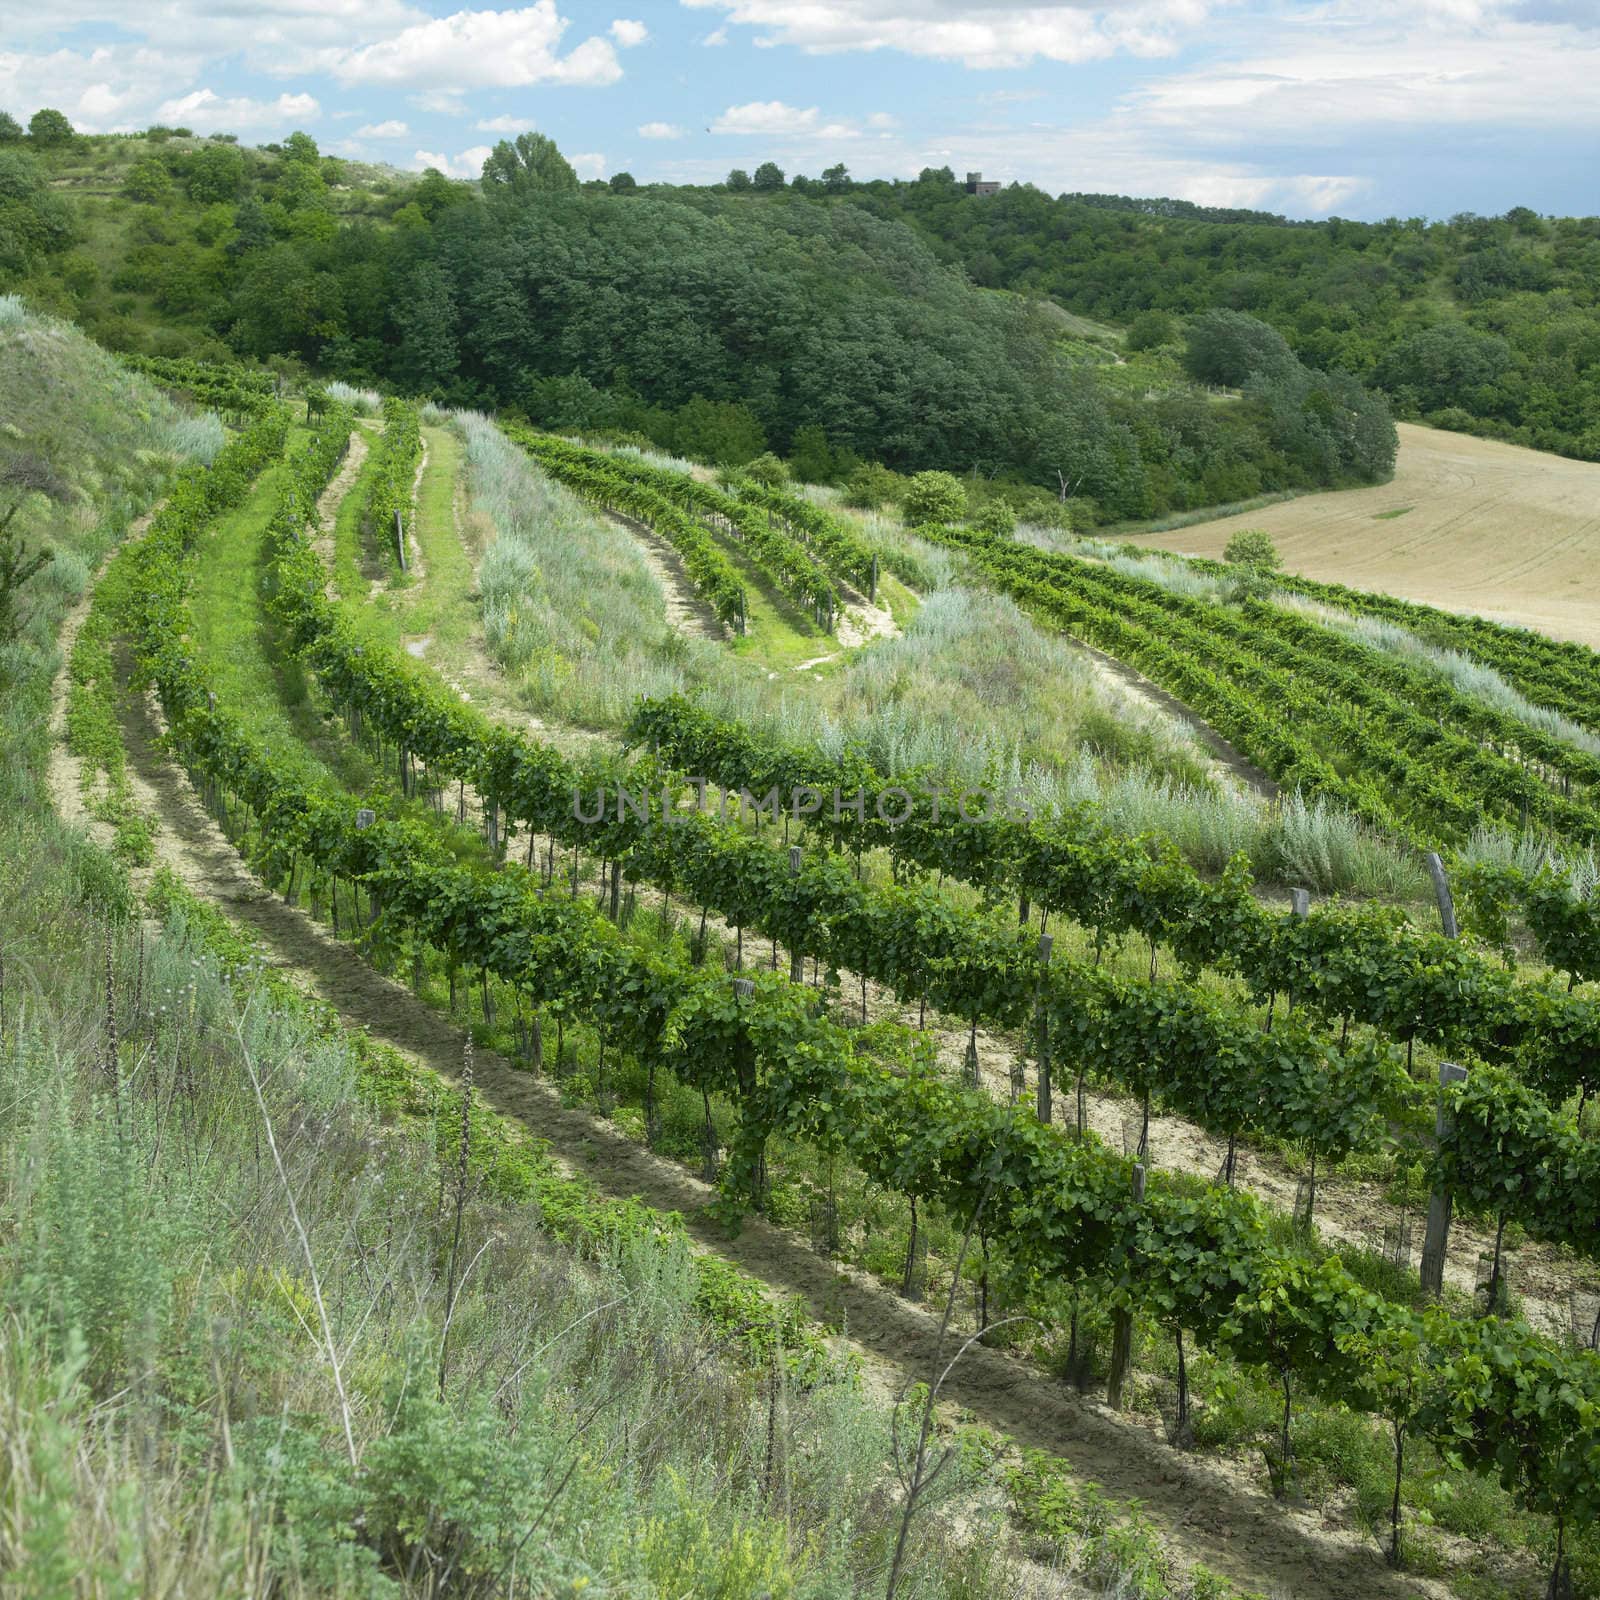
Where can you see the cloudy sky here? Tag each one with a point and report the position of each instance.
(1361, 108)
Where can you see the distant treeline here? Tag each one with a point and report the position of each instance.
(714, 322)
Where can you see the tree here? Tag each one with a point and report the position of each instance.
(869, 486)
(434, 193)
(426, 311)
(10, 128)
(529, 165)
(1253, 548)
(933, 497)
(49, 127)
(936, 175)
(719, 431)
(811, 457)
(624, 183)
(836, 179)
(1228, 348)
(738, 180)
(769, 176)
(1150, 330)
(148, 180)
(214, 175)
(1444, 366)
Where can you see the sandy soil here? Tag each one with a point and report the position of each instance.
(1492, 528)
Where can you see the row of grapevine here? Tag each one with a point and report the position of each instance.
(596, 477)
(835, 544)
(1564, 922)
(1503, 1400)
(784, 559)
(1557, 673)
(392, 475)
(1192, 1051)
(240, 391)
(1284, 704)
(1363, 963)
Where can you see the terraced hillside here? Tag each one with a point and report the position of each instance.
(1148, 1149)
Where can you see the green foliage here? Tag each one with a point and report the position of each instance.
(933, 497)
(10, 128)
(1229, 348)
(737, 180)
(766, 470)
(148, 181)
(517, 169)
(34, 222)
(214, 175)
(1150, 330)
(995, 518)
(1252, 548)
(1448, 365)
(48, 127)
(871, 486)
(768, 177)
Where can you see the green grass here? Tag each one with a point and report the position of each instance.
(1389, 516)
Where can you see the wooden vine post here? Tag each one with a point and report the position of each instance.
(1441, 891)
(797, 960)
(872, 584)
(1437, 1239)
(400, 537)
(1042, 1024)
(1122, 1323)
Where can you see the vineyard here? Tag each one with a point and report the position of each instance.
(884, 1021)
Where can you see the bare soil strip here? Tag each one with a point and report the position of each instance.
(686, 610)
(332, 498)
(1229, 764)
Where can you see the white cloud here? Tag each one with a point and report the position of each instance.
(628, 33)
(716, 38)
(772, 119)
(766, 117)
(591, 165)
(481, 49)
(504, 125)
(660, 130)
(383, 130)
(101, 91)
(991, 35)
(206, 111)
(469, 164)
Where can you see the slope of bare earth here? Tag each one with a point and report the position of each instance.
(1466, 524)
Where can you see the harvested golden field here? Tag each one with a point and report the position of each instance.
(1467, 524)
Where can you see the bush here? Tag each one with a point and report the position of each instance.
(933, 497)
(148, 181)
(871, 486)
(997, 519)
(767, 469)
(1252, 548)
(10, 128)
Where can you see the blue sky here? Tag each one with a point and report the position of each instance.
(1361, 108)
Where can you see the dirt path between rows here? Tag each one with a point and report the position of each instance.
(687, 612)
(1228, 763)
(1208, 1510)
(332, 498)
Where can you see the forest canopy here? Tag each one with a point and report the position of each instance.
(721, 322)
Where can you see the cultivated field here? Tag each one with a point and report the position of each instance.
(1467, 524)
